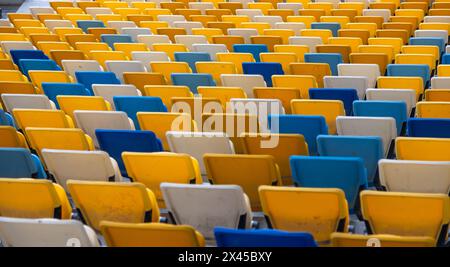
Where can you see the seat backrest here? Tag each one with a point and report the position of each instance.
(347, 173)
(193, 80)
(405, 95)
(440, 83)
(7, 46)
(18, 163)
(88, 78)
(254, 49)
(421, 148)
(346, 95)
(72, 66)
(371, 71)
(360, 83)
(15, 232)
(408, 176)
(355, 240)
(332, 59)
(25, 101)
(17, 55)
(109, 91)
(114, 142)
(118, 67)
(131, 105)
(245, 81)
(148, 56)
(432, 109)
(428, 214)
(326, 213)
(106, 201)
(192, 57)
(428, 127)
(25, 118)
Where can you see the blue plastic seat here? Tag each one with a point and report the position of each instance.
(86, 24)
(134, 104)
(114, 142)
(436, 41)
(192, 57)
(254, 49)
(193, 80)
(20, 163)
(309, 126)
(6, 119)
(52, 90)
(368, 148)
(346, 173)
(428, 127)
(17, 55)
(346, 95)
(226, 237)
(88, 78)
(413, 70)
(266, 69)
(334, 27)
(332, 59)
(111, 39)
(393, 109)
(445, 59)
(26, 65)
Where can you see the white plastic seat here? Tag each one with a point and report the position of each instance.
(72, 66)
(440, 83)
(310, 41)
(18, 232)
(244, 33)
(211, 49)
(146, 57)
(257, 106)
(295, 26)
(171, 19)
(82, 165)
(360, 83)
(432, 33)
(134, 32)
(197, 144)
(207, 206)
(371, 71)
(158, 2)
(7, 46)
(108, 91)
(292, 6)
(188, 25)
(35, 10)
(409, 96)
(246, 81)
(150, 39)
(251, 13)
(89, 121)
(385, 13)
(189, 40)
(121, 66)
(383, 127)
(12, 101)
(118, 25)
(202, 6)
(94, 11)
(268, 19)
(334, 2)
(415, 176)
(365, 2)
(438, 19)
(56, 23)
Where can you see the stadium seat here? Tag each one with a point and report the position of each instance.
(332, 59)
(193, 80)
(355, 240)
(17, 55)
(26, 65)
(131, 105)
(88, 78)
(119, 67)
(421, 148)
(11, 137)
(413, 70)
(25, 118)
(52, 90)
(20, 163)
(70, 103)
(26, 101)
(254, 49)
(433, 109)
(428, 127)
(216, 69)
(347, 96)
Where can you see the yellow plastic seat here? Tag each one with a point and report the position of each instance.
(12, 16)
(128, 48)
(7, 64)
(342, 20)
(248, 171)
(150, 235)
(358, 6)
(408, 19)
(46, 47)
(330, 109)
(41, 118)
(355, 33)
(439, 95)
(9, 137)
(57, 4)
(27, 31)
(108, 17)
(20, 87)
(381, 59)
(139, 18)
(76, 17)
(223, 26)
(326, 212)
(20, 23)
(422, 49)
(269, 41)
(353, 42)
(39, 76)
(63, 31)
(69, 104)
(324, 34)
(285, 59)
(415, 5)
(316, 13)
(355, 240)
(236, 58)
(171, 32)
(298, 50)
(12, 76)
(263, 6)
(418, 13)
(216, 68)
(397, 43)
(58, 138)
(228, 40)
(152, 169)
(428, 214)
(117, 202)
(223, 94)
(344, 50)
(428, 59)
(12, 37)
(83, 5)
(60, 55)
(415, 83)
(97, 32)
(299, 81)
(321, 6)
(102, 56)
(433, 109)
(170, 49)
(161, 122)
(187, 12)
(284, 94)
(72, 39)
(259, 26)
(33, 199)
(378, 49)
(172, 6)
(69, 10)
(283, 33)
(393, 33)
(307, 20)
(350, 13)
(203, 19)
(371, 27)
(88, 47)
(283, 13)
(408, 27)
(125, 11)
(236, 19)
(143, 5)
(317, 70)
(370, 19)
(142, 79)
(287, 145)
(439, 12)
(167, 92)
(155, 12)
(415, 148)
(230, 5)
(167, 68)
